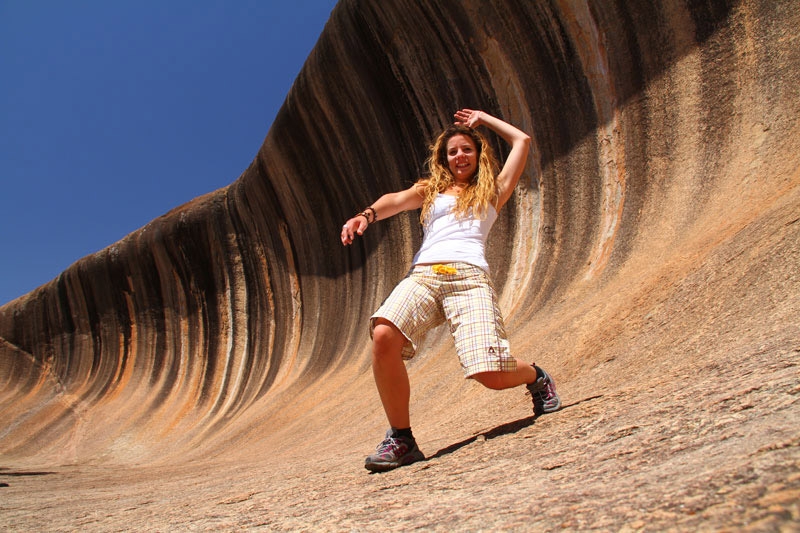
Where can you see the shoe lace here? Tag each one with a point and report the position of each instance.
(542, 389)
(389, 444)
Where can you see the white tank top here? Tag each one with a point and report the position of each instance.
(447, 239)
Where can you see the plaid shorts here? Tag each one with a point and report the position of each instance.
(460, 294)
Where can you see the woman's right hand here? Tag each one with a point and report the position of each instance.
(357, 224)
(384, 207)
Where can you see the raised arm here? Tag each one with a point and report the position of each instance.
(384, 207)
(520, 142)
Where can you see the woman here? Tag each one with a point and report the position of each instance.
(449, 280)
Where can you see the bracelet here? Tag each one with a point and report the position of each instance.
(366, 215)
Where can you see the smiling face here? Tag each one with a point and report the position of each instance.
(462, 157)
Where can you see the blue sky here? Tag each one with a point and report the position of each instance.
(114, 112)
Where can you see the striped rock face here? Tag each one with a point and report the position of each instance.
(648, 260)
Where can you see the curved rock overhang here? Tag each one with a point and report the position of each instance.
(664, 170)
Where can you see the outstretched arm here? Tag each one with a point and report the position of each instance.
(520, 142)
(384, 207)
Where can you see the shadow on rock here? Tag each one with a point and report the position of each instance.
(503, 429)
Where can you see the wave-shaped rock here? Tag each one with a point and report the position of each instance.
(655, 227)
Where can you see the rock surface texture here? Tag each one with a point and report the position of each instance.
(212, 370)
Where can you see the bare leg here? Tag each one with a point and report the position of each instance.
(389, 370)
(524, 374)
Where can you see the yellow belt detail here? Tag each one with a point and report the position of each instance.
(444, 269)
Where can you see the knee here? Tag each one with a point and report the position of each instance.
(387, 341)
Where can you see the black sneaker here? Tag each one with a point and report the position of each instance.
(393, 452)
(543, 392)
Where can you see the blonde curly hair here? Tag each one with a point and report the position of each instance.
(482, 189)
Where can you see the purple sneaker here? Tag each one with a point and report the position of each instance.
(543, 392)
(393, 452)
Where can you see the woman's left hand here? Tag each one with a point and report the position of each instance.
(468, 117)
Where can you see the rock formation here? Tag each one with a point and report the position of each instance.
(649, 259)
